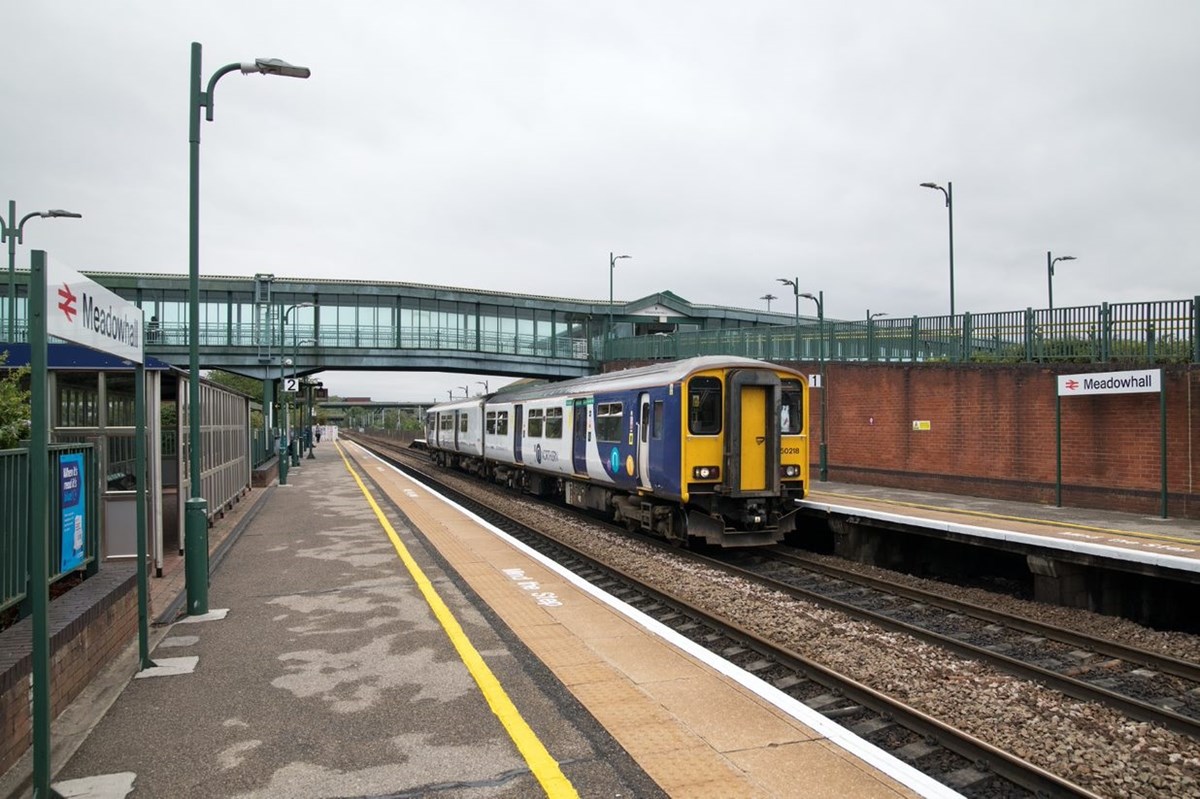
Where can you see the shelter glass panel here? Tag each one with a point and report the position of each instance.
(78, 399)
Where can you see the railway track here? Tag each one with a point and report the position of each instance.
(949, 755)
(1142, 685)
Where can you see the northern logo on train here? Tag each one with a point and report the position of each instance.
(537, 453)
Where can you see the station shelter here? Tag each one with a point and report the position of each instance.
(92, 401)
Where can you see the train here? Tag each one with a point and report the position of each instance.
(711, 450)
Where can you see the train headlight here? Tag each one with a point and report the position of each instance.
(791, 471)
(706, 473)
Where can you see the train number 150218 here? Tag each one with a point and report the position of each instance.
(789, 451)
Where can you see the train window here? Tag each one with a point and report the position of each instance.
(462, 423)
(501, 423)
(656, 426)
(489, 423)
(446, 421)
(554, 422)
(608, 421)
(535, 422)
(791, 411)
(704, 406)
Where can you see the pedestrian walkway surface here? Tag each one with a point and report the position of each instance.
(330, 676)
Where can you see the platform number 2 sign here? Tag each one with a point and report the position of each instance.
(291, 384)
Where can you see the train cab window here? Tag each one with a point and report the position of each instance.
(704, 406)
(791, 411)
(608, 421)
(535, 422)
(656, 425)
(554, 422)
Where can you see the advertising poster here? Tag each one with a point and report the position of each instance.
(74, 510)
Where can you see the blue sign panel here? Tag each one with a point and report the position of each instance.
(73, 501)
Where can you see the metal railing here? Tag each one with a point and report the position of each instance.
(14, 519)
(1142, 332)
(461, 339)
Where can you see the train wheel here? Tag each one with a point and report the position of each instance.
(677, 532)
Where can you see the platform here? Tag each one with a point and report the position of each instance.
(348, 664)
(1169, 543)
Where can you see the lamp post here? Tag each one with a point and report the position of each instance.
(286, 438)
(819, 299)
(1050, 262)
(871, 331)
(768, 298)
(949, 192)
(795, 284)
(311, 420)
(612, 265)
(483, 383)
(466, 390)
(11, 231)
(295, 451)
(196, 515)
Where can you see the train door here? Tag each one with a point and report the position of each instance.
(456, 445)
(643, 441)
(753, 459)
(518, 430)
(752, 432)
(579, 435)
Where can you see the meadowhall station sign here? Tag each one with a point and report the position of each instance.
(84, 312)
(1141, 381)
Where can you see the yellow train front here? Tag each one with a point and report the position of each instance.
(733, 453)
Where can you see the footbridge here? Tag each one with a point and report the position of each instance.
(263, 326)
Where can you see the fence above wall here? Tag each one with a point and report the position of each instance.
(1143, 332)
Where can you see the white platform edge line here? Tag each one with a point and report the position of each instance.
(1177, 562)
(844, 738)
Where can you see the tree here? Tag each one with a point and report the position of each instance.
(14, 405)
(250, 386)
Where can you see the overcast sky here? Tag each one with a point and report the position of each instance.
(511, 146)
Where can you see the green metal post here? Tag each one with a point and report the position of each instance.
(139, 454)
(1162, 440)
(39, 522)
(823, 461)
(1057, 448)
(1196, 329)
(196, 513)
(10, 233)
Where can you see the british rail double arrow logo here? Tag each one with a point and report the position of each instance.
(67, 305)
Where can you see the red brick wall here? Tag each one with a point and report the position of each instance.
(992, 433)
(90, 625)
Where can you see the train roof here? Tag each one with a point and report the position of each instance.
(654, 375)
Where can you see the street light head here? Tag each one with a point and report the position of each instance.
(1065, 258)
(275, 66)
(809, 296)
(60, 213)
(930, 186)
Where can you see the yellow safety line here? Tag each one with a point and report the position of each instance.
(541, 763)
(986, 515)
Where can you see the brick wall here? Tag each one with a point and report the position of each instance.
(992, 433)
(89, 626)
